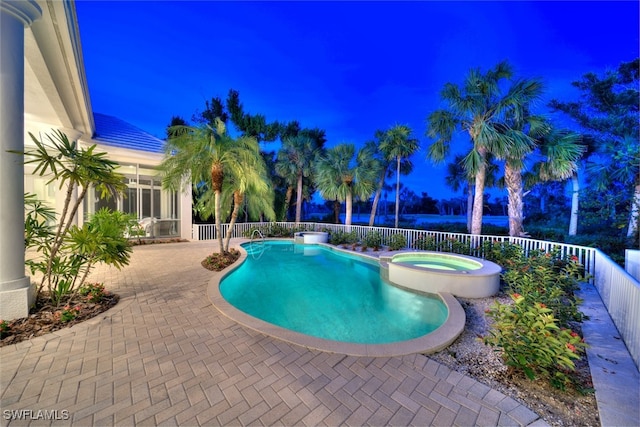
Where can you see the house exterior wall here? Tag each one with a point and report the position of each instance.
(144, 198)
(57, 97)
(44, 87)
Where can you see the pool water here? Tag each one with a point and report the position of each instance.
(438, 262)
(319, 292)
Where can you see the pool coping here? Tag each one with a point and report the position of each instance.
(435, 341)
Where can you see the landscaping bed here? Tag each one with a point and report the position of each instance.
(45, 318)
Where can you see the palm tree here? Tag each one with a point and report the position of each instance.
(245, 188)
(286, 170)
(620, 163)
(207, 155)
(374, 147)
(478, 107)
(397, 144)
(249, 180)
(523, 130)
(386, 161)
(342, 177)
(458, 177)
(561, 151)
(295, 162)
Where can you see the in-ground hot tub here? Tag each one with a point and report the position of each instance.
(433, 272)
(311, 237)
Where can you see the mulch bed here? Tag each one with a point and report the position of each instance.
(220, 261)
(44, 319)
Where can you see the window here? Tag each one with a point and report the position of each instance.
(143, 197)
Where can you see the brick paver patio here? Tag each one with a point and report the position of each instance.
(165, 356)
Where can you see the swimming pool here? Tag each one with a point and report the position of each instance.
(436, 260)
(323, 298)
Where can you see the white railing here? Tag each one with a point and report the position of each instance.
(619, 291)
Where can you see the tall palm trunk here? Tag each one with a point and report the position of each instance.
(469, 206)
(478, 198)
(635, 211)
(376, 199)
(217, 178)
(336, 211)
(238, 199)
(513, 181)
(287, 202)
(348, 209)
(575, 199)
(397, 190)
(299, 199)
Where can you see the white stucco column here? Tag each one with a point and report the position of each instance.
(15, 290)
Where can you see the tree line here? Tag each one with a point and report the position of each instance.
(510, 145)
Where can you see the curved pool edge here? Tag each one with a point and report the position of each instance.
(434, 341)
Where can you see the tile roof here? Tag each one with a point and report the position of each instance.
(118, 133)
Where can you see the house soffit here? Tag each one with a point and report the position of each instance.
(56, 89)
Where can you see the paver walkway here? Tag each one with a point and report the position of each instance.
(165, 356)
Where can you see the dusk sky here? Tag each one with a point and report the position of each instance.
(346, 67)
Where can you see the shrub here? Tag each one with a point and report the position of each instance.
(542, 232)
(67, 313)
(548, 279)
(613, 246)
(4, 328)
(397, 242)
(373, 239)
(426, 243)
(274, 230)
(341, 237)
(502, 253)
(93, 292)
(67, 252)
(451, 244)
(531, 341)
(533, 333)
(101, 239)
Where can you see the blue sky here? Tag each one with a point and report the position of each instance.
(347, 67)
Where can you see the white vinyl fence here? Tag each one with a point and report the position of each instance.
(619, 291)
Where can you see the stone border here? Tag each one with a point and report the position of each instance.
(430, 343)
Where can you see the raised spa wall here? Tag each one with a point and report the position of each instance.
(480, 283)
(309, 237)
